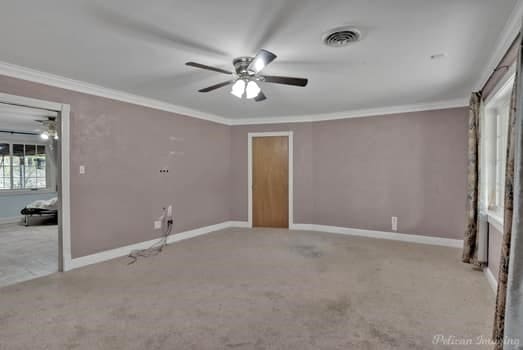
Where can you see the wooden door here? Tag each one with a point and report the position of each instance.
(270, 181)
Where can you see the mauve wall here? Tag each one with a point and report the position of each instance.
(123, 147)
(360, 172)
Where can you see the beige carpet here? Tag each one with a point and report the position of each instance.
(255, 289)
(27, 252)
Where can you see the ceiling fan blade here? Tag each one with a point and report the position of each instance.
(261, 97)
(285, 80)
(279, 16)
(217, 86)
(203, 66)
(137, 28)
(261, 60)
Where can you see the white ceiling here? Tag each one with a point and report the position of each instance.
(141, 47)
(24, 119)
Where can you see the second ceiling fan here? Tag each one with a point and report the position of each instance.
(246, 76)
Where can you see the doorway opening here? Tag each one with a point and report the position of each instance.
(34, 188)
(270, 179)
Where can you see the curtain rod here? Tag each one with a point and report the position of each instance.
(501, 64)
(18, 132)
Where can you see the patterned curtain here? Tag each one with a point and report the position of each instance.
(501, 298)
(499, 319)
(470, 245)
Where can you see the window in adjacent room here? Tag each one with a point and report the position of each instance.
(5, 166)
(22, 166)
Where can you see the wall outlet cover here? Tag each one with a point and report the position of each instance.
(157, 225)
(394, 223)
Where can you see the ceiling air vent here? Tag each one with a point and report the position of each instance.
(339, 37)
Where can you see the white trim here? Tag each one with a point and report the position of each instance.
(36, 76)
(29, 102)
(65, 185)
(431, 240)
(373, 112)
(289, 135)
(492, 281)
(242, 224)
(124, 251)
(503, 87)
(11, 220)
(64, 258)
(506, 38)
(495, 220)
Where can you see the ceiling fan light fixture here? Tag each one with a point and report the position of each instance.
(51, 132)
(252, 90)
(238, 88)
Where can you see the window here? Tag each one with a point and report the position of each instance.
(502, 115)
(5, 166)
(22, 166)
(496, 118)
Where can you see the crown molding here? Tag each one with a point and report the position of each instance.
(506, 38)
(373, 112)
(36, 76)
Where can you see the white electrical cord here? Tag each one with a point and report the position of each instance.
(157, 247)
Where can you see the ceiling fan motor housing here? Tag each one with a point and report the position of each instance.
(241, 64)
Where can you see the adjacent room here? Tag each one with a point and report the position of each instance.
(28, 193)
(281, 174)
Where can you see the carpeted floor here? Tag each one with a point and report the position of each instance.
(27, 252)
(256, 289)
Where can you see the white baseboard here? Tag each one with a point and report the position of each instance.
(492, 281)
(431, 240)
(11, 220)
(124, 251)
(446, 242)
(243, 224)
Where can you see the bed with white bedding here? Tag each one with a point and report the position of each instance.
(44, 207)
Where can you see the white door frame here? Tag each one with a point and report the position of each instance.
(64, 194)
(289, 135)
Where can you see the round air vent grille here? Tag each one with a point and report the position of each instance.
(342, 36)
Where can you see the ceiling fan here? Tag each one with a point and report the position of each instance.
(50, 125)
(246, 76)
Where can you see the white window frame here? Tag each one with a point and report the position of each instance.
(11, 140)
(495, 115)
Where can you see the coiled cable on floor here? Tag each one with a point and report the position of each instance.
(157, 247)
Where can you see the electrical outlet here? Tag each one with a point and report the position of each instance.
(157, 225)
(394, 223)
(82, 169)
